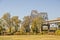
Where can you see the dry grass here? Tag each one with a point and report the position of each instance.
(30, 37)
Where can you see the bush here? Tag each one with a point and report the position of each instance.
(44, 32)
(51, 33)
(17, 33)
(57, 32)
(22, 31)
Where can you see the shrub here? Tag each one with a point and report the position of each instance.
(17, 33)
(57, 32)
(51, 33)
(44, 32)
(22, 31)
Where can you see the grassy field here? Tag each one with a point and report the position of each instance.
(30, 37)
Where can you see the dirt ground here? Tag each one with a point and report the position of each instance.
(30, 37)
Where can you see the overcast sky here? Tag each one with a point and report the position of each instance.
(22, 8)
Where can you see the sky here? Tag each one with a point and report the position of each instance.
(23, 8)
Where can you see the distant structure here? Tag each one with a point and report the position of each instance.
(44, 15)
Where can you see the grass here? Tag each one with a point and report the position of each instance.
(30, 37)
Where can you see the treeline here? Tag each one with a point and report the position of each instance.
(14, 26)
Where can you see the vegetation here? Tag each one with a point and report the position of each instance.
(26, 23)
(57, 32)
(37, 24)
(14, 26)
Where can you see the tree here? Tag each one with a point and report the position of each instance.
(6, 20)
(26, 23)
(6, 16)
(0, 27)
(3, 26)
(12, 23)
(58, 26)
(15, 22)
(36, 24)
